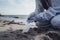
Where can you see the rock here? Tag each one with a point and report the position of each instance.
(32, 34)
(16, 17)
(42, 37)
(54, 35)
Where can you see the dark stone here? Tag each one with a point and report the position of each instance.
(54, 36)
(5, 36)
(16, 17)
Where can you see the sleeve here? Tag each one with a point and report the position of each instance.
(46, 15)
(39, 7)
(38, 10)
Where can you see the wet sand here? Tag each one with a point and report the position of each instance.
(10, 30)
(11, 25)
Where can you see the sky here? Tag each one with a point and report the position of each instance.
(17, 7)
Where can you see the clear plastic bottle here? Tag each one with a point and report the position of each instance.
(27, 27)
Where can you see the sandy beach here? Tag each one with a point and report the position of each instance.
(7, 25)
(10, 30)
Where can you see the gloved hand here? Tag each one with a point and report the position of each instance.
(31, 18)
(34, 17)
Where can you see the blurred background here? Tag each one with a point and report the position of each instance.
(17, 7)
(14, 13)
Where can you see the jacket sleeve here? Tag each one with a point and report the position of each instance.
(43, 19)
(46, 15)
(38, 10)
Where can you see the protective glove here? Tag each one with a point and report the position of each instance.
(31, 18)
(35, 18)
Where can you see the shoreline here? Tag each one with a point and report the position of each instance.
(8, 25)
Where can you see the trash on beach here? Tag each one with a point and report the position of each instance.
(27, 27)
